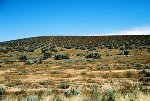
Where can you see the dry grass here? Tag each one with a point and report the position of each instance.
(43, 79)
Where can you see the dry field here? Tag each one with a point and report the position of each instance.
(80, 76)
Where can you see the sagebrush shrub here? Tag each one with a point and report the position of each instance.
(31, 98)
(59, 56)
(64, 85)
(94, 55)
(23, 57)
(46, 55)
(71, 92)
(109, 95)
(2, 89)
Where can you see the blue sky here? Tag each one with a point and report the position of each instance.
(28, 18)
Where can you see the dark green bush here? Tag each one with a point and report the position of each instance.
(64, 85)
(94, 55)
(31, 49)
(71, 92)
(57, 98)
(2, 89)
(91, 47)
(31, 98)
(148, 49)
(146, 67)
(23, 57)
(109, 95)
(59, 56)
(20, 48)
(4, 50)
(68, 46)
(37, 60)
(123, 52)
(99, 67)
(46, 55)
(44, 49)
(129, 74)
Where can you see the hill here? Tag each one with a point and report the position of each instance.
(75, 68)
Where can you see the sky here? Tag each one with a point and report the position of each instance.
(31, 18)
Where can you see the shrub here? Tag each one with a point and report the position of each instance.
(33, 60)
(64, 85)
(54, 49)
(82, 48)
(4, 50)
(30, 61)
(109, 95)
(91, 47)
(23, 57)
(31, 49)
(57, 98)
(129, 74)
(99, 67)
(68, 46)
(92, 91)
(146, 67)
(123, 52)
(23, 72)
(20, 48)
(31, 98)
(44, 49)
(2, 89)
(138, 65)
(146, 73)
(71, 92)
(46, 55)
(148, 49)
(59, 56)
(94, 55)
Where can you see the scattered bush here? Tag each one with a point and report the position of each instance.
(59, 56)
(64, 85)
(44, 49)
(53, 49)
(145, 73)
(138, 65)
(109, 95)
(46, 55)
(129, 74)
(57, 98)
(23, 57)
(71, 92)
(33, 60)
(2, 89)
(99, 67)
(20, 48)
(146, 67)
(82, 48)
(148, 49)
(31, 98)
(123, 52)
(31, 49)
(93, 55)
(23, 72)
(3, 50)
(46, 82)
(91, 47)
(68, 46)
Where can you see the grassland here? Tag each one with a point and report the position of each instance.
(108, 68)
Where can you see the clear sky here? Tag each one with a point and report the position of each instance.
(28, 18)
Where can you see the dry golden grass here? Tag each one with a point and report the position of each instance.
(77, 71)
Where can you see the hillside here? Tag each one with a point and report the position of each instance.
(76, 68)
